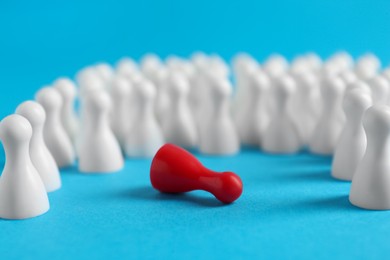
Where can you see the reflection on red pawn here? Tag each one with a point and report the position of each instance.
(174, 170)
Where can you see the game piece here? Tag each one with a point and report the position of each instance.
(150, 63)
(360, 85)
(55, 136)
(253, 121)
(126, 66)
(162, 99)
(314, 61)
(218, 135)
(330, 124)
(88, 80)
(105, 72)
(40, 155)
(386, 73)
(367, 66)
(218, 66)
(145, 136)
(281, 135)
(275, 66)
(339, 62)
(352, 143)
(99, 151)
(179, 126)
(348, 76)
(380, 89)
(174, 170)
(244, 67)
(120, 92)
(69, 118)
(305, 105)
(371, 183)
(22, 192)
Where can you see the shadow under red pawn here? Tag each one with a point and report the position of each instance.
(174, 170)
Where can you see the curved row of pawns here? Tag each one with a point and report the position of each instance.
(279, 107)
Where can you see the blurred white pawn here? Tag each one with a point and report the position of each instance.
(254, 119)
(330, 124)
(348, 76)
(69, 119)
(88, 80)
(281, 135)
(145, 137)
(380, 89)
(105, 72)
(126, 66)
(218, 135)
(179, 126)
(314, 61)
(340, 62)
(244, 68)
(367, 66)
(360, 85)
(386, 73)
(149, 64)
(352, 143)
(275, 66)
(120, 92)
(305, 106)
(370, 187)
(162, 99)
(22, 192)
(99, 151)
(40, 155)
(55, 136)
(219, 66)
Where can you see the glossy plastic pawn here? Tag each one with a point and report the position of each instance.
(174, 170)
(55, 136)
(39, 153)
(22, 192)
(100, 151)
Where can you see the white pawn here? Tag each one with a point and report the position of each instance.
(281, 135)
(55, 136)
(306, 105)
(352, 144)
(40, 155)
(380, 89)
(145, 136)
(69, 118)
(105, 72)
(22, 192)
(126, 66)
(179, 126)
(100, 152)
(218, 135)
(367, 66)
(275, 66)
(254, 119)
(120, 92)
(330, 124)
(370, 187)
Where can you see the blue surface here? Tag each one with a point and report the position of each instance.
(290, 208)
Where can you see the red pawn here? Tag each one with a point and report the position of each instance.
(174, 170)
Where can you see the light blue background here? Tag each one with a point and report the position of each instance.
(290, 208)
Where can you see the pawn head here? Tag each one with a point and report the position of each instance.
(376, 121)
(50, 98)
(98, 101)
(356, 101)
(15, 129)
(66, 87)
(33, 112)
